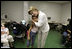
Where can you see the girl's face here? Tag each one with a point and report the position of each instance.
(34, 18)
(3, 27)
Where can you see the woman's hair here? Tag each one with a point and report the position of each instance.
(32, 9)
(29, 12)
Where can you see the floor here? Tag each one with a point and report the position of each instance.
(53, 41)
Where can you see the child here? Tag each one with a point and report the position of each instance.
(4, 40)
(32, 33)
(5, 37)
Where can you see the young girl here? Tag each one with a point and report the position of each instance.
(32, 33)
(5, 37)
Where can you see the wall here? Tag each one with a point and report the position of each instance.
(66, 13)
(13, 9)
(52, 10)
(16, 10)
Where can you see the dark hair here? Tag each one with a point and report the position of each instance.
(5, 25)
(34, 16)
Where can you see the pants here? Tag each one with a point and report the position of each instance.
(32, 38)
(6, 41)
(41, 39)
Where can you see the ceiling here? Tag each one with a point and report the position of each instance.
(61, 2)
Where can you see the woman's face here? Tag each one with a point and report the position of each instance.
(34, 13)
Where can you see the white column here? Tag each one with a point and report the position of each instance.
(25, 11)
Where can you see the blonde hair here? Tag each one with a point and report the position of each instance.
(32, 9)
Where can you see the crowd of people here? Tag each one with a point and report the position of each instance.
(66, 35)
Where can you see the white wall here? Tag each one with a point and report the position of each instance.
(16, 11)
(13, 9)
(66, 13)
(58, 12)
(52, 10)
(25, 11)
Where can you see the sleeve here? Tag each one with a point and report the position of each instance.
(7, 29)
(40, 21)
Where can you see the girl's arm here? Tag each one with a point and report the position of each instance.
(29, 32)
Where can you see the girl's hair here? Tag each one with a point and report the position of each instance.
(34, 16)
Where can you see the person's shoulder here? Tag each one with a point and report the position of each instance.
(6, 28)
(41, 13)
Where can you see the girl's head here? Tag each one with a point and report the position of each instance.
(34, 17)
(2, 26)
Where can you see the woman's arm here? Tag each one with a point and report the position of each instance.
(40, 21)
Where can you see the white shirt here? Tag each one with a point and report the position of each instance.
(4, 36)
(42, 22)
(5, 30)
(34, 29)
